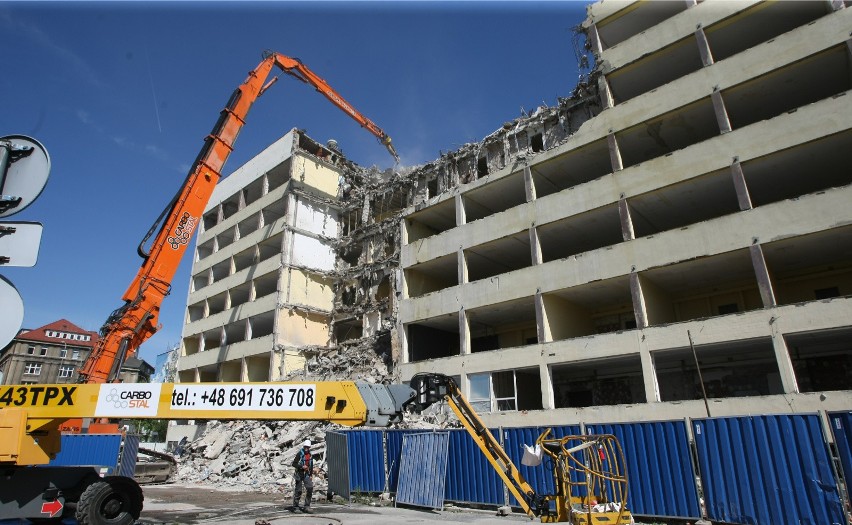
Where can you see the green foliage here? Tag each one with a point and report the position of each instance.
(148, 427)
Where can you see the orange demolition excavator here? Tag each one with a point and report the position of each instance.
(137, 320)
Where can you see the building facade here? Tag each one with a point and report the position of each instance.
(261, 290)
(683, 223)
(54, 354)
(677, 229)
(50, 354)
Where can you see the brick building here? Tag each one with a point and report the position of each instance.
(53, 354)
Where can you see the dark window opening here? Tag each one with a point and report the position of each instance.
(485, 343)
(482, 167)
(537, 143)
(432, 186)
(827, 293)
(599, 383)
(736, 369)
(425, 342)
(730, 308)
(822, 360)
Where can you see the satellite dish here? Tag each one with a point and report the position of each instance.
(12, 307)
(28, 166)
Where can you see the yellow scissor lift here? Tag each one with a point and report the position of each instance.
(588, 471)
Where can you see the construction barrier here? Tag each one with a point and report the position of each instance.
(761, 470)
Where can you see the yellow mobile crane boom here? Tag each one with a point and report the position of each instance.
(30, 416)
(591, 486)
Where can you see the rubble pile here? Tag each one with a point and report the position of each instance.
(256, 455)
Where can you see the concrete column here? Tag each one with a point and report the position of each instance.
(403, 232)
(197, 375)
(595, 38)
(743, 196)
(626, 220)
(607, 100)
(649, 372)
(541, 325)
(464, 332)
(704, 47)
(461, 216)
(614, 152)
(535, 246)
(462, 266)
(721, 113)
(782, 356)
(403, 343)
(761, 271)
(639, 309)
(241, 201)
(244, 371)
(546, 387)
(529, 185)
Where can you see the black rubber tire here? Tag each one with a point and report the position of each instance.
(113, 501)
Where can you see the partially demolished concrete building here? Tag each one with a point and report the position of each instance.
(679, 227)
(261, 289)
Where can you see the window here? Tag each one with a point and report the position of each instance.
(509, 390)
(65, 371)
(480, 392)
(33, 369)
(31, 350)
(75, 354)
(63, 353)
(43, 351)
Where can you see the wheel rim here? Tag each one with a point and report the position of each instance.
(114, 506)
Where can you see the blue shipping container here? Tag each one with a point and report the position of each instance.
(101, 451)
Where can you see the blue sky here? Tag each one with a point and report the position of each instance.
(123, 94)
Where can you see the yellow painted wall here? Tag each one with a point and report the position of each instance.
(312, 173)
(309, 289)
(297, 328)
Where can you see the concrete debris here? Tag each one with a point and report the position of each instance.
(256, 455)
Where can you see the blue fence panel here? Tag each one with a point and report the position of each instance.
(337, 461)
(96, 450)
(470, 478)
(129, 455)
(660, 477)
(841, 428)
(766, 470)
(366, 460)
(393, 449)
(423, 470)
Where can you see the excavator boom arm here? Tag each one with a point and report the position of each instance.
(295, 67)
(137, 320)
(432, 388)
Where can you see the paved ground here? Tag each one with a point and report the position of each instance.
(184, 504)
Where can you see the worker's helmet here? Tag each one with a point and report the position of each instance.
(307, 443)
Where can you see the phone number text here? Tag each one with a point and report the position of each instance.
(254, 397)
